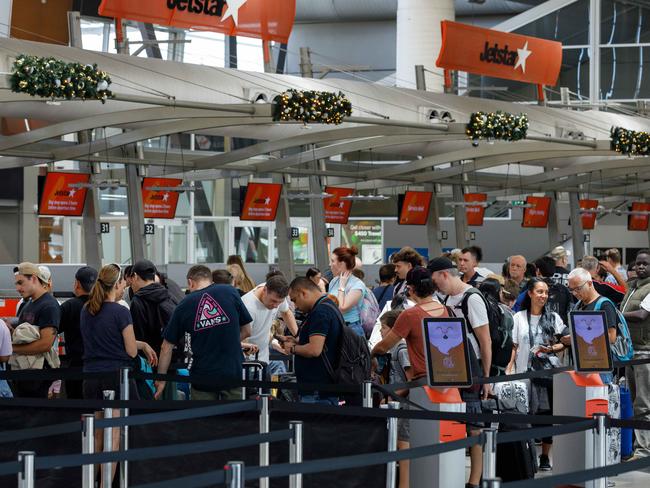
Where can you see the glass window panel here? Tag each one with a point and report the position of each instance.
(301, 247)
(624, 23)
(209, 241)
(252, 243)
(622, 74)
(155, 245)
(113, 201)
(50, 239)
(206, 48)
(177, 243)
(110, 243)
(568, 25)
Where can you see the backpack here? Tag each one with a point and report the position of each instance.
(353, 364)
(622, 349)
(368, 311)
(501, 323)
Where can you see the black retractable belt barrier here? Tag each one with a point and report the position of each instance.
(36, 432)
(541, 432)
(12, 467)
(210, 478)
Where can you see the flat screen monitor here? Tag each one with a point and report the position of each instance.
(590, 342)
(446, 352)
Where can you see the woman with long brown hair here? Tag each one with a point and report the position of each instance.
(246, 282)
(109, 342)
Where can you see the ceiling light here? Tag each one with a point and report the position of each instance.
(365, 198)
(184, 186)
(467, 204)
(308, 196)
(102, 185)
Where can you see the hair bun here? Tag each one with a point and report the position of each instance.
(354, 251)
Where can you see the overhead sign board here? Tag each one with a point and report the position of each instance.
(337, 211)
(59, 198)
(261, 201)
(160, 204)
(414, 208)
(537, 214)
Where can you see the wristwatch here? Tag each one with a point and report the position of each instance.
(342, 289)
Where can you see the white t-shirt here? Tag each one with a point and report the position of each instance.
(476, 311)
(5, 340)
(375, 337)
(262, 321)
(521, 338)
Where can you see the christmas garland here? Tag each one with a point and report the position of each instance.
(630, 142)
(497, 126)
(311, 106)
(52, 78)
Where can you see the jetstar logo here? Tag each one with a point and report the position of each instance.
(213, 8)
(505, 56)
(65, 193)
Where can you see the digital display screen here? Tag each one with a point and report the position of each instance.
(446, 352)
(590, 342)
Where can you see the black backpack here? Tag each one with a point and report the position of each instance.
(501, 323)
(353, 365)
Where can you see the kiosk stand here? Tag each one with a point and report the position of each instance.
(446, 469)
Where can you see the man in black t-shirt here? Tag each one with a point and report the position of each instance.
(42, 311)
(84, 279)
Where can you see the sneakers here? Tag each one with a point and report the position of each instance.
(544, 463)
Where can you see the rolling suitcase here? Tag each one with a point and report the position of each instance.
(252, 371)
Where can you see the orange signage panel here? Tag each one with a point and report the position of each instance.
(262, 19)
(415, 208)
(537, 215)
(499, 54)
(638, 221)
(261, 201)
(59, 198)
(588, 219)
(475, 213)
(159, 204)
(337, 211)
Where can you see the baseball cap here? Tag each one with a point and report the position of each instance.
(416, 275)
(86, 276)
(440, 264)
(145, 269)
(559, 252)
(30, 269)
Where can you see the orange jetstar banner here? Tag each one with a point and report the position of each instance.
(337, 211)
(159, 204)
(499, 54)
(261, 202)
(415, 208)
(271, 20)
(537, 215)
(475, 213)
(639, 222)
(588, 219)
(59, 198)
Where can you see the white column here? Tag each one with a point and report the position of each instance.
(419, 39)
(594, 51)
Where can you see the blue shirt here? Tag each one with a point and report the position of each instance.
(103, 343)
(212, 317)
(383, 294)
(354, 283)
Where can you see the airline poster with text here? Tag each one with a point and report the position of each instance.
(337, 211)
(59, 198)
(159, 204)
(536, 216)
(415, 208)
(261, 201)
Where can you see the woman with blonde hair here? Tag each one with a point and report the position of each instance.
(242, 282)
(247, 282)
(109, 343)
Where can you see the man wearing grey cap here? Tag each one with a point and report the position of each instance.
(41, 311)
(84, 279)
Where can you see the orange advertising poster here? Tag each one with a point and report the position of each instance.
(537, 215)
(588, 219)
(337, 211)
(415, 208)
(638, 221)
(262, 19)
(261, 201)
(499, 54)
(475, 213)
(59, 198)
(159, 204)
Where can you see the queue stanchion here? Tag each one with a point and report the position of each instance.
(367, 394)
(600, 448)
(26, 475)
(490, 454)
(88, 447)
(265, 423)
(124, 395)
(295, 452)
(391, 467)
(234, 474)
(243, 377)
(107, 468)
(491, 483)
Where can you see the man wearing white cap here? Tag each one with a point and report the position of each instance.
(42, 311)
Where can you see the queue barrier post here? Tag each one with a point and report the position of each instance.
(600, 448)
(26, 475)
(490, 454)
(295, 452)
(243, 388)
(234, 474)
(491, 483)
(124, 395)
(265, 423)
(391, 424)
(107, 468)
(88, 447)
(367, 394)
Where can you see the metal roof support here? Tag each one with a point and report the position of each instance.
(317, 213)
(460, 217)
(283, 239)
(433, 223)
(576, 227)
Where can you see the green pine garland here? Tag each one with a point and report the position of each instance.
(630, 142)
(52, 78)
(497, 126)
(311, 106)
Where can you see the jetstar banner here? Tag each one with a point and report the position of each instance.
(159, 204)
(475, 213)
(499, 54)
(261, 201)
(588, 219)
(414, 208)
(537, 215)
(59, 198)
(271, 20)
(636, 221)
(337, 211)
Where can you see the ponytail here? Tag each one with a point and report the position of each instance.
(108, 276)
